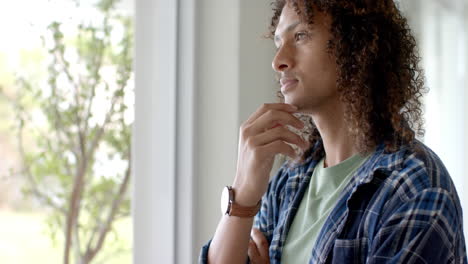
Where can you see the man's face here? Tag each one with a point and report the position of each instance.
(308, 71)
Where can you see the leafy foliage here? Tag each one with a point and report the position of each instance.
(74, 131)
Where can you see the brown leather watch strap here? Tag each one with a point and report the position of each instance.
(244, 211)
(235, 209)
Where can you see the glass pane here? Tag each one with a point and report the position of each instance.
(66, 105)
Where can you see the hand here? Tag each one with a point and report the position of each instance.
(261, 137)
(258, 248)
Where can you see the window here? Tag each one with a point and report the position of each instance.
(66, 103)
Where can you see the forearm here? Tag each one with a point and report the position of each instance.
(231, 240)
(261, 137)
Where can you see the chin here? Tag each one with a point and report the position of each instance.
(294, 101)
(303, 106)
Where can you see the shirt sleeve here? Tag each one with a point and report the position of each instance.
(203, 258)
(261, 219)
(268, 215)
(425, 229)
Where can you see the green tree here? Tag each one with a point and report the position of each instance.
(77, 121)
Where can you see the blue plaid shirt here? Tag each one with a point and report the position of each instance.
(399, 207)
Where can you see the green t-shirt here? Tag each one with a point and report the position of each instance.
(319, 199)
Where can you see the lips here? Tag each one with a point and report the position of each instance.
(287, 83)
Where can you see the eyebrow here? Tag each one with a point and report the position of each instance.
(288, 28)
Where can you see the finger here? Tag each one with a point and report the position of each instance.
(253, 253)
(273, 106)
(278, 133)
(261, 243)
(271, 119)
(277, 147)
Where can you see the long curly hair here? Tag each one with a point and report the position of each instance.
(379, 78)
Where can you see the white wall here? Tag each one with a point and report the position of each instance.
(235, 77)
(218, 92)
(257, 79)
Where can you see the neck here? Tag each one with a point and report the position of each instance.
(337, 142)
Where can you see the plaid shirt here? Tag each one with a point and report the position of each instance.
(399, 207)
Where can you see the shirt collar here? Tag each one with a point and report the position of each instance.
(380, 160)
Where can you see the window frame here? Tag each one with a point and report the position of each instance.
(164, 132)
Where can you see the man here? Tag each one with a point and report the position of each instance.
(365, 190)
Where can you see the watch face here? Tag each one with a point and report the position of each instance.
(225, 201)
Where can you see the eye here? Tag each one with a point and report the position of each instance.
(277, 47)
(300, 35)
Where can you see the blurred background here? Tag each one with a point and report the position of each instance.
(66, 105)
(91, 89)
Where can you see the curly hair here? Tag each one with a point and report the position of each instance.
(379, 78)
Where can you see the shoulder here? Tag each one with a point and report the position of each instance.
(418, 169)
(419, 197)
(418, 186)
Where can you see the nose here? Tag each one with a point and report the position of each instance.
(283, 59)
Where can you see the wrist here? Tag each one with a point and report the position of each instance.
(231, 207)
(244, 197)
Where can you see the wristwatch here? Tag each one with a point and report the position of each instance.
(231, 208)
